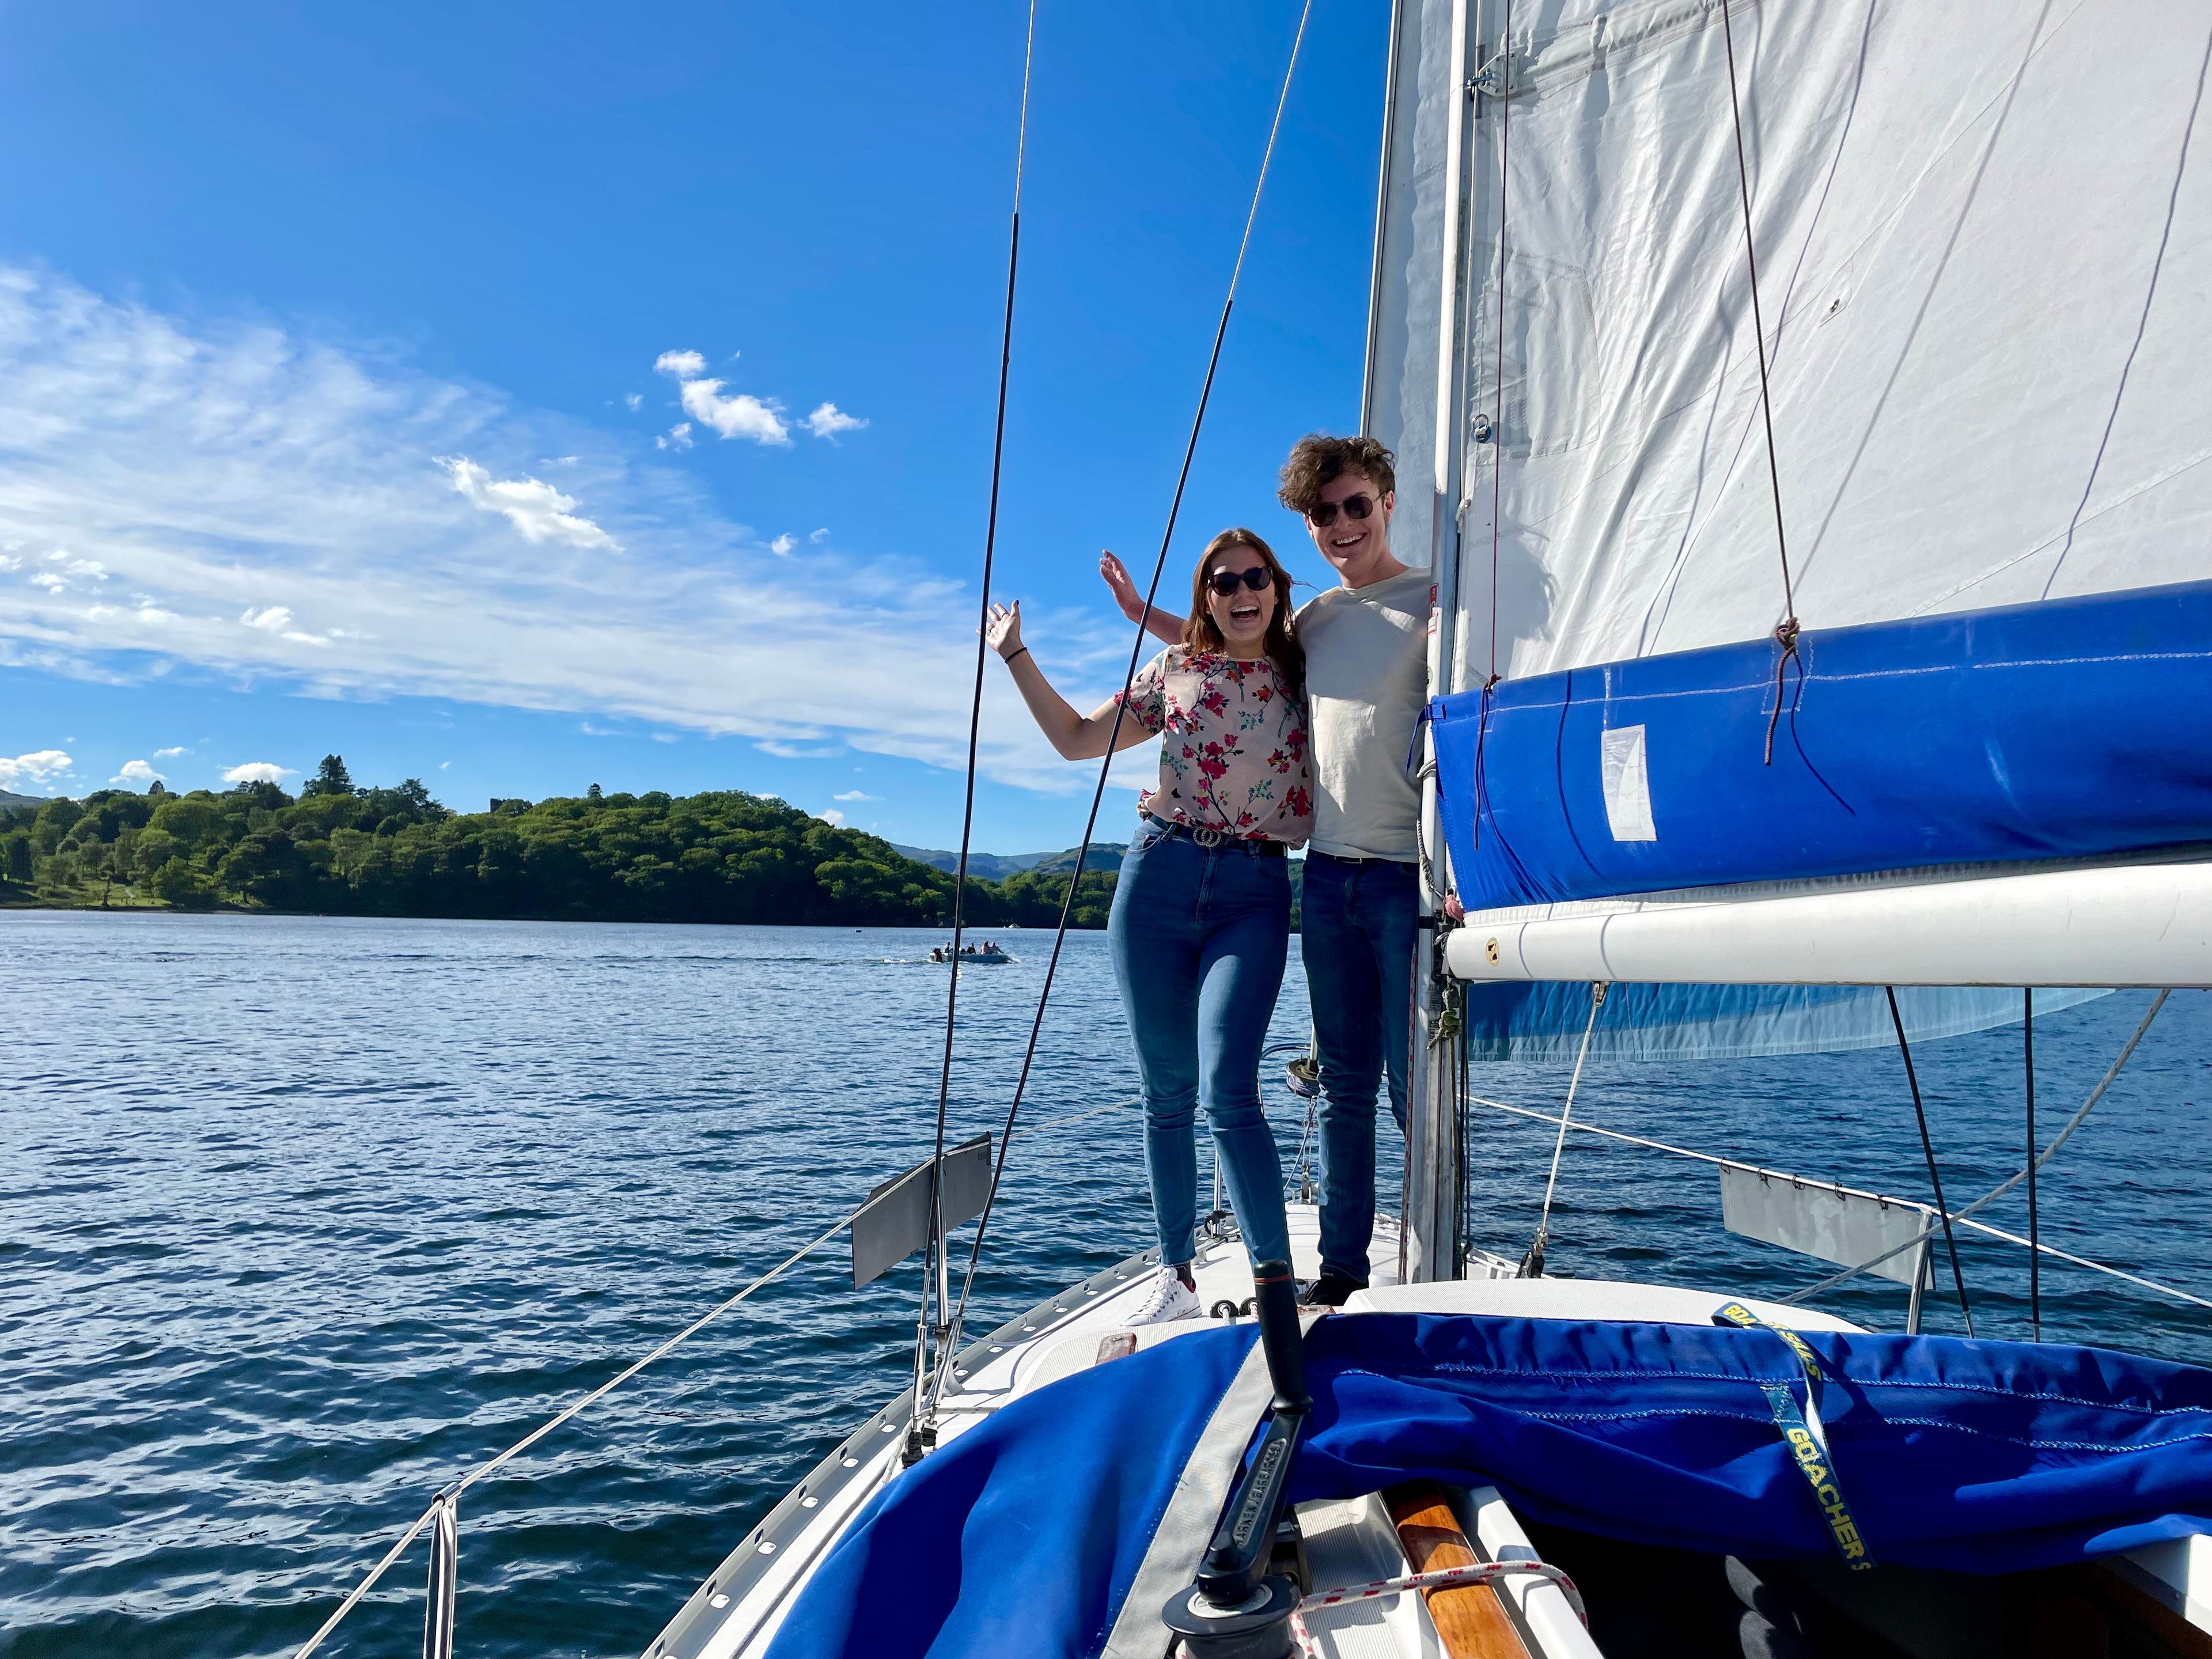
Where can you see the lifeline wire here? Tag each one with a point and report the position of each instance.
(975, 728)
(453, 1494)
(2004, 1187)
(1960, 1217)
(1928, 1147)
(1114, 737)
(1785, 632)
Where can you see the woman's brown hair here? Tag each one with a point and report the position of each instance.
(1199, 633)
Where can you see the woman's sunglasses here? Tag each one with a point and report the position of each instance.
(1226, 582)
(1322, 515)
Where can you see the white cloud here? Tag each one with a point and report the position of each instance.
(271, 619)
(855, 794)
(535, 508)
(636, 400)
(783, 750)
(558, 461)
(834, 819)
(136, 772)
(782, 545)
(679, 437)
(168, 754)
(260, 772)
(828, 420)
(819, 536)
(42, 766)
(443, 765)
(208, 466)
(742, 416)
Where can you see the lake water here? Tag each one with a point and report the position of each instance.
(304, 1216)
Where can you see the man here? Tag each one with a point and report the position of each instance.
(1366, 648)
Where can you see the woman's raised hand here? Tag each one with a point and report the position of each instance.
(1117, 576)
(1003, 633)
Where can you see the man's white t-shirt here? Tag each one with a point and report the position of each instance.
(1367, 678)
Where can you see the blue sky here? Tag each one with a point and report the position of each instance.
(330, 416)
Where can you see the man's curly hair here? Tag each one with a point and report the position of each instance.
(1319, 460)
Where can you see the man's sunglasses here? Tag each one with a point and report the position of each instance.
(1322, 514)
(1226, 582)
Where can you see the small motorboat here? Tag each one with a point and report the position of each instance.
(988, 951)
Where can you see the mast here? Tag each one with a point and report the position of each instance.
(1433, 1197)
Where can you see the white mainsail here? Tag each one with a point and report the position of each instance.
(1986, 264)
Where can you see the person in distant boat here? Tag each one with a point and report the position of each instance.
(1366, 646)
(1201, 916)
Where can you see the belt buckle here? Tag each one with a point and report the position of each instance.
(1206, 836)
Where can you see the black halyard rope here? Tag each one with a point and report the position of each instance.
(2034, 1234)
(1497, 388)
(1927, 1147)
(1120, 708)
(1786, 631)
(975, 728)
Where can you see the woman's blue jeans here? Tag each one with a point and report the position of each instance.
(1200, 937)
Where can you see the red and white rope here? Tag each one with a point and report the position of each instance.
(1477, 1572)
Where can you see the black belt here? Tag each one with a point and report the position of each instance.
(1210, 838)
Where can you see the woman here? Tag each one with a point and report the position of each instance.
(1201, 916)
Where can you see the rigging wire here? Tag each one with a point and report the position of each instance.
(932, 1274)
(1786, 631)
(951, 1342)
(2034, 1260)
(1927, 1147)
(2034, 1163)
(1532, 1266)
(1960, 1216)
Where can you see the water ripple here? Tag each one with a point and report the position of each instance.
(303, 1217)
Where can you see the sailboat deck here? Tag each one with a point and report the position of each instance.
(737, 1610)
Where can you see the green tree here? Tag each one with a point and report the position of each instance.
(331, 778)
(177, 883)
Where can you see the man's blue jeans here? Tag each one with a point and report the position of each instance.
(1200, 936)
(1359, 919)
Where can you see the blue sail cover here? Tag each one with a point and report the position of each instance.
(2057, 730)
(1022, 1536)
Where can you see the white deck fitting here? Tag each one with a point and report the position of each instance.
(1351, 1542)
(2132, 925)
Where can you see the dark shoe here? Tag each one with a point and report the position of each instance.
(1330, 1290)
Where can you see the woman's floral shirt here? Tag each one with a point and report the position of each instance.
(1232, 745)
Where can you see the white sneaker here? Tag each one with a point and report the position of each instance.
(1171, 1298)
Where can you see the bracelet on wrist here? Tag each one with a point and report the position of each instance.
(1021, 651)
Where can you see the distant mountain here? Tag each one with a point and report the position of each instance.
(997, 866)
(991, 866)
(9, 803)
(1104, 855)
